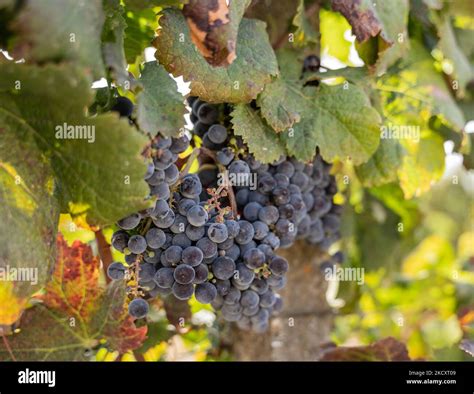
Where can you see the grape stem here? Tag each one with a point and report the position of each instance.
(228, 186)
(7, 346)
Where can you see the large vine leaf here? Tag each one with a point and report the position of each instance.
(101, 175)
(418, 89)
(76, 316)
(282, 101)
(214, 26)
(387, 349)
(29, 213)
(382, 167)
(72, 32)
(261, 140)
(239, 83)
(381, 27)
(160, 106)
(339, 120)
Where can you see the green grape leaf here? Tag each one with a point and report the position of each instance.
(381, 27)
(339, 120)
(422, 165)
(282, 100)
(77, 314)
(160, 107)
(138, 5)
(305, 32)
(386, 349)
(261, 140)
(214, 27)
(29, 213)
(239, 83)
(383, 165)
(72, 32)
(417, 88)
(113, 40)
(100, 170)
(139, 32)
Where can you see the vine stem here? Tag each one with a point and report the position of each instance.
(7, 345)
(104, 252)
(229, 188)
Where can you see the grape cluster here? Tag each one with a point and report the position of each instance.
(217, 243)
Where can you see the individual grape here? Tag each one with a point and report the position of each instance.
(218, 302)
(160, 209)
(137, 244)
(233, 228)
(232, 297)
(228, 243)
(157, 178)
(192, 255)
(311, 63)
(191, 186)
(131, 258)
(149, 171)
(278, 305)
(267, 299)
(267, 250)
(247, 246)
(184, 205)
(331, 223)
(123, 106)
(233, 252)
(230, 316)
(338, 257)
(205, 293)
(202, 273)
(159, 291)
(242, 197)
(284, 227)
(152, 256)
(286, 168)
(164, 277)
(180, 144)
(272, 240)
(276, 282)
(171, 174)
(138, 308)
(195, 233)
(217, 133)
(281, 195)
(246, 232)
(223, 267)
(257, 197)
(181, 240)
(261, 317)
(155, 238)
(251, 311)
(243, 275)
(173, 254)
(116, 271)
(161, 191)
(197, 216)
(225, 156)
(266, 183)
(269, 214)
(179, 225)
(208, 247)
(222, 286)
(182, 292)
(146, 272)
(261, 230)
(260, 286)
(130, 222)
(217, 232)
(165, 221)
(286, 211)
(207, 113)
(184, 274)
(251, 211)
(120, 240)
(239, 167)
(278, 266)
(249, 299)
(254, 258)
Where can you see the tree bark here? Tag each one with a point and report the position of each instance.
(305, 321)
